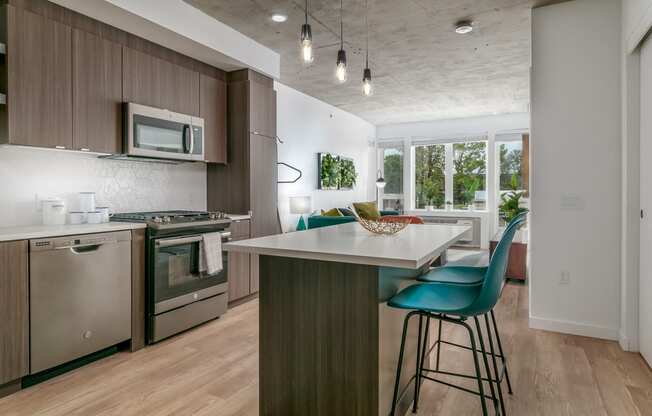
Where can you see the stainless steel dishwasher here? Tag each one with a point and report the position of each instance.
(80, 296)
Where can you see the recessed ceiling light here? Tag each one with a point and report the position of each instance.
(279, 18)
(464, 27)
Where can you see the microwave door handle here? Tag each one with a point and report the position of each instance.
(192, 140)
(187, 135)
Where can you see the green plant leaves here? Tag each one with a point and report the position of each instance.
(336, 172)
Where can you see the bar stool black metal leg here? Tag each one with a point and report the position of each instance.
(477, 369)
(502, 353)
(439, 343)
(486, 363)
(397, 382)
(417, 372)
(424, 348)
(493, 358)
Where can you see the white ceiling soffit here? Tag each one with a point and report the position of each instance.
(183, 28)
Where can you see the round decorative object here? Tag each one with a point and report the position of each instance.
(385, 227)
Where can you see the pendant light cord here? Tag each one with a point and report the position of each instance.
(306, 11)
(366, 23)
(341, 25)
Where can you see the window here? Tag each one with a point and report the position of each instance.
(470, 175)
(392, 170)
(510, 155)
(430, 176)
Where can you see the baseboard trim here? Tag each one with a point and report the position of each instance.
(575, 328)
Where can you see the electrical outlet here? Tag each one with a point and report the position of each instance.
(564, 278)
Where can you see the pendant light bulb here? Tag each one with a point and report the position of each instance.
(340, 69)
(306, 44)
(306, 41)
(367, 88)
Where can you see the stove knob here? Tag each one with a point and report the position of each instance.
(158, 220)
(212, 215)
(167, 219)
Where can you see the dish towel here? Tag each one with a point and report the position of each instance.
(211, 253)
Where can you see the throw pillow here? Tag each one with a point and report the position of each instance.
(367, 210)
(333, 212)
(346, 212)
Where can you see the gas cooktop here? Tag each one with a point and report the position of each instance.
(173, 219)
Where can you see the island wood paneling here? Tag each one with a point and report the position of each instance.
(14, 311)
(97, 93)
(138, 273)
(319, 336)
(39, 99)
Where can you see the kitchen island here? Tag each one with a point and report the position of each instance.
(328, 342)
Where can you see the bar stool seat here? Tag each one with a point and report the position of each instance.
(461, 275)
(437, 298)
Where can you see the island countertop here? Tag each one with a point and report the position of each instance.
(411, 248)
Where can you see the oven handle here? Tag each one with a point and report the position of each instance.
(168, 242)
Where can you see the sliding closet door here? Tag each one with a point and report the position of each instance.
(645, 288)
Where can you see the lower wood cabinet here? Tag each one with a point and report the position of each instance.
(242, 267)
(14, 311)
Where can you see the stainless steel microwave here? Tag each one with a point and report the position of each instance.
(156, 133)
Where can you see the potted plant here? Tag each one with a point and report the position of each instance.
(510, 205)
(471, 185)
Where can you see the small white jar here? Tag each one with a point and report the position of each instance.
(94, 217)
(77, 217)
(105, 213)
(87, 201)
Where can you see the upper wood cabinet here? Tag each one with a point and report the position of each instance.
(212, 108)
(158, 83)
(97, 93)
(14, 310)
(262, 102)
(39, 98)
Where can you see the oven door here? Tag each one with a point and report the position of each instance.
(177, 276)
(153, 132)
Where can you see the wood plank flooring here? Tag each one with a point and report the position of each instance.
(212, 370)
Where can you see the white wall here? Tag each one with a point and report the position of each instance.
(123, 186)
(576, 167)
(309, 126)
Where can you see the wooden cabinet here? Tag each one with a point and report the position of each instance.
(239, 267)
(14, 310)
(151, 81)
(97, 93)
(248, 183)
(212, 108)
(39, 77)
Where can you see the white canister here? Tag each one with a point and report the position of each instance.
(105, 213)
(94, 217)
(86, 201)
(77, 217)
(49, 214)
(57, 214)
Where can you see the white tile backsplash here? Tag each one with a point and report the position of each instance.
(122, 185)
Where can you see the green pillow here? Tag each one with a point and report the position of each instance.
(367, 210)
(333, 212)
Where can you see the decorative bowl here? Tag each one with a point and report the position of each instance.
(384, 227)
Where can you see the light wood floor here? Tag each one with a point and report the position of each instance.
(212, 370)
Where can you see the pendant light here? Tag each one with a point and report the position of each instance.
(306, 41)
(340, 69)
(366, 74)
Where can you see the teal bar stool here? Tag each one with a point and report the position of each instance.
(456, 304)
(466, 275)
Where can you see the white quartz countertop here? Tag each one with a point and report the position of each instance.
(411, 248)
(43, 231)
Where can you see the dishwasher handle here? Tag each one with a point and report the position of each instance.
(85, 248)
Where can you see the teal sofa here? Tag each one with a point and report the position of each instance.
(317, 221)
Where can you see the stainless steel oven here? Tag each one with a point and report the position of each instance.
(182, 293)
(157, 133)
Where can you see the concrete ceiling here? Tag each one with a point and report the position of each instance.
(422, 70)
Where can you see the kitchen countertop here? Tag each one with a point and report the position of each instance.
(44, 231)
(350, 243)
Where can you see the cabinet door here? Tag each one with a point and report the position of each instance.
(212, 108)
(238, 270)
(262, 108)
(158, 83)
(97, 93)
(14, 310)
(263, 186)
(39, 96)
